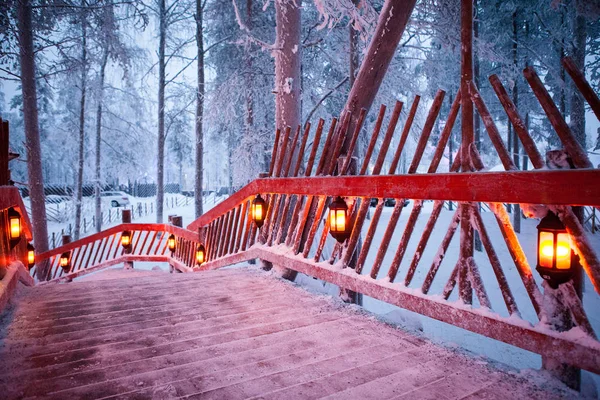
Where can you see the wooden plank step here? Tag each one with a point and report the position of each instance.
(224, 334)
(72, 291)
(82, 287)
(132, 308)
(193, 322)
(298, 374)
(206, 380)
(354, 375)
(171, 368)
(116, 353)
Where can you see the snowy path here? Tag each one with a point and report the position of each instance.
(233, 333)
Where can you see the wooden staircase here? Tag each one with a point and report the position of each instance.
(231, 333)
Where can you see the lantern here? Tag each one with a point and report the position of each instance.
(171, 243)
(30, 255)
(556, 258)
(258, 210)
(126, 239)
(65, 261)
(338, 220)
(200, 254)
(14, 226)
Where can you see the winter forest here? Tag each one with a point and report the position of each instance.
(128, 114)
(183, 93)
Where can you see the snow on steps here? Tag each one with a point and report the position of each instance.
(233, 333)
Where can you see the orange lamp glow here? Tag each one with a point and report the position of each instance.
(556, 257)
(200, 254)
(65, 261)
(258, 210)
(30, 256)
(171, 243)
(338, 220)
(126, 239)
(14, 226)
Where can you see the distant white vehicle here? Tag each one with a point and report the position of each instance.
(116, 199)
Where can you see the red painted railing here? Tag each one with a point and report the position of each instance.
(103, 249)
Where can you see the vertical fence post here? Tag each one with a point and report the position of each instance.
(126, 219)
(84, 226)
(176, 220)
(466, 236)
(66, 239)
(53, 240)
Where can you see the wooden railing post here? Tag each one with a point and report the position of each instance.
(176, 220)
(126, 219)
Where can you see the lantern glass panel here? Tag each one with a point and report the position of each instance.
(257, 211)
(563, 251)
(125, 239)
(64, 261)
(15, 227)
(30, 257)
(546, 249)
(171, 243)
(332, 221)
(340, 220)
(200, 256)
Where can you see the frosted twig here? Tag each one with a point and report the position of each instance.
(247, 31)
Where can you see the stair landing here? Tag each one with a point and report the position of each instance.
(228, 334)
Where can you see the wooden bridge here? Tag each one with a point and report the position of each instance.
(216, 332)
(224, 334)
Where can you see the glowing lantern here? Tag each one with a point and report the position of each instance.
(171, 243)
(556, 257)
(126, 239)
(14, 226)
(65, 261)
(200, 254)
(30, 256)
(258, 210)
(338, 220)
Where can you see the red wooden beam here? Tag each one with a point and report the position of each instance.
(582, 84)
(558, 187)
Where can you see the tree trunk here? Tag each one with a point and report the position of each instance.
(199, 112)
(515, 98)
(80, 163)
(287, 63)
(477, 121)
(249, 121)
(390, 26)
(160, 167)
(98, 187)
(32, 133)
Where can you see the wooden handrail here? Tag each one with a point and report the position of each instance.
(523, 187)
